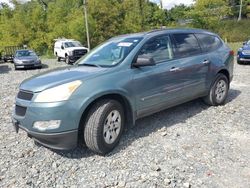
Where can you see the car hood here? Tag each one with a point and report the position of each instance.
(59, 76)
(26, 58)
(246, 47)
(76, 48)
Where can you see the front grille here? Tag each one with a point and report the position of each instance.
(20, 110)
(80, 52)
(25, 95)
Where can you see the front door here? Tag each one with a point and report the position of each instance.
(157, 86)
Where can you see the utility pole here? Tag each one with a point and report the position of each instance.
(240, 13)
(86, 22)
(161, 5)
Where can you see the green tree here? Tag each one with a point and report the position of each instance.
(208, 13)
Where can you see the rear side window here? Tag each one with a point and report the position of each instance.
(186, 45)
(159, 48)
(209, 43)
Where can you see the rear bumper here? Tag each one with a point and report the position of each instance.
(59, 141)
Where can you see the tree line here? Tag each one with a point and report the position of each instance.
(37, 23)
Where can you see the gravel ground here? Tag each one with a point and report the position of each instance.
(190, 145)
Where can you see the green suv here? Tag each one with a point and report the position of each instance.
(124, 79)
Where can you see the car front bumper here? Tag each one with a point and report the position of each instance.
(38, 65)
(69, 113)
(59, 141)
(73, 59)
(244, 59)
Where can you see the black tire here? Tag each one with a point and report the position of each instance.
(58, 58)
(67, 61)
(211, 98)
(239, 62)
(94, 135)
(15, 67)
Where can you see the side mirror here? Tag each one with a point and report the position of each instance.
(244, 43)
(62, 47)
(143, 61)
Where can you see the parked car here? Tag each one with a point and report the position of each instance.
(9, 52)
(69, 49)
(244, 53)
(124, 79)
(26, 59)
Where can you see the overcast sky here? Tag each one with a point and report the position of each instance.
(166, 3)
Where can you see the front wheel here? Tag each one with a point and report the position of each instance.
(104, 126)
(218, 91)
(67, 61)
(239, 62)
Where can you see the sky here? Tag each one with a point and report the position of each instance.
(167, 4)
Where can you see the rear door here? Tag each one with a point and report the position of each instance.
(211, 46)
(194, 64)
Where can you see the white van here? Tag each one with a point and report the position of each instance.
(69, 49)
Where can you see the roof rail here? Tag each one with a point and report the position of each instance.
(64, 39)
(159, 29)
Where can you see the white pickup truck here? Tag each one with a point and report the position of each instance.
(68, 49)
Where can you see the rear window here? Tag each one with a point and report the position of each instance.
(209, 42)
(186, 45)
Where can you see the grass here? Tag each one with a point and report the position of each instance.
(235, 45)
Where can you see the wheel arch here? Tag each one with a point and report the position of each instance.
(226, 73)
(128, 110)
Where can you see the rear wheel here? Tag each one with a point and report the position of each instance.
(104, 126)
(218, 91)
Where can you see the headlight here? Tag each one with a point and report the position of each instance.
(70, 53)
(18, 61)
(58, 93)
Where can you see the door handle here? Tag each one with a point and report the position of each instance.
(175, 69)
(206, 62)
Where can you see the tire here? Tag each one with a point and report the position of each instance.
(102, 133)
(15, 67)
(67, 61)
(239, 62)
(218, 91)
(58, 58)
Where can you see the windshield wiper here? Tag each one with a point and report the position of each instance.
(90, 65)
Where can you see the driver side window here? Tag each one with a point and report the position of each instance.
(158, 48)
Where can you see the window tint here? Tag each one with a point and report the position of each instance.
(186, 45)
(209, 42)
(158, 48)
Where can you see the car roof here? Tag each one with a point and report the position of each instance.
(167, 31)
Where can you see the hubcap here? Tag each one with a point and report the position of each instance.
(112, 127)
(220, 90)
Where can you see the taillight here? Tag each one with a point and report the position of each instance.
(231, 52)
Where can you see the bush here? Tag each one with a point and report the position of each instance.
(234, 31)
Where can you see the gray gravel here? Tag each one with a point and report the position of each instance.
(190, 145)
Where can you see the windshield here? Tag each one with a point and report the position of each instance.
(111, 52)
(25, 53)
(72, 44)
